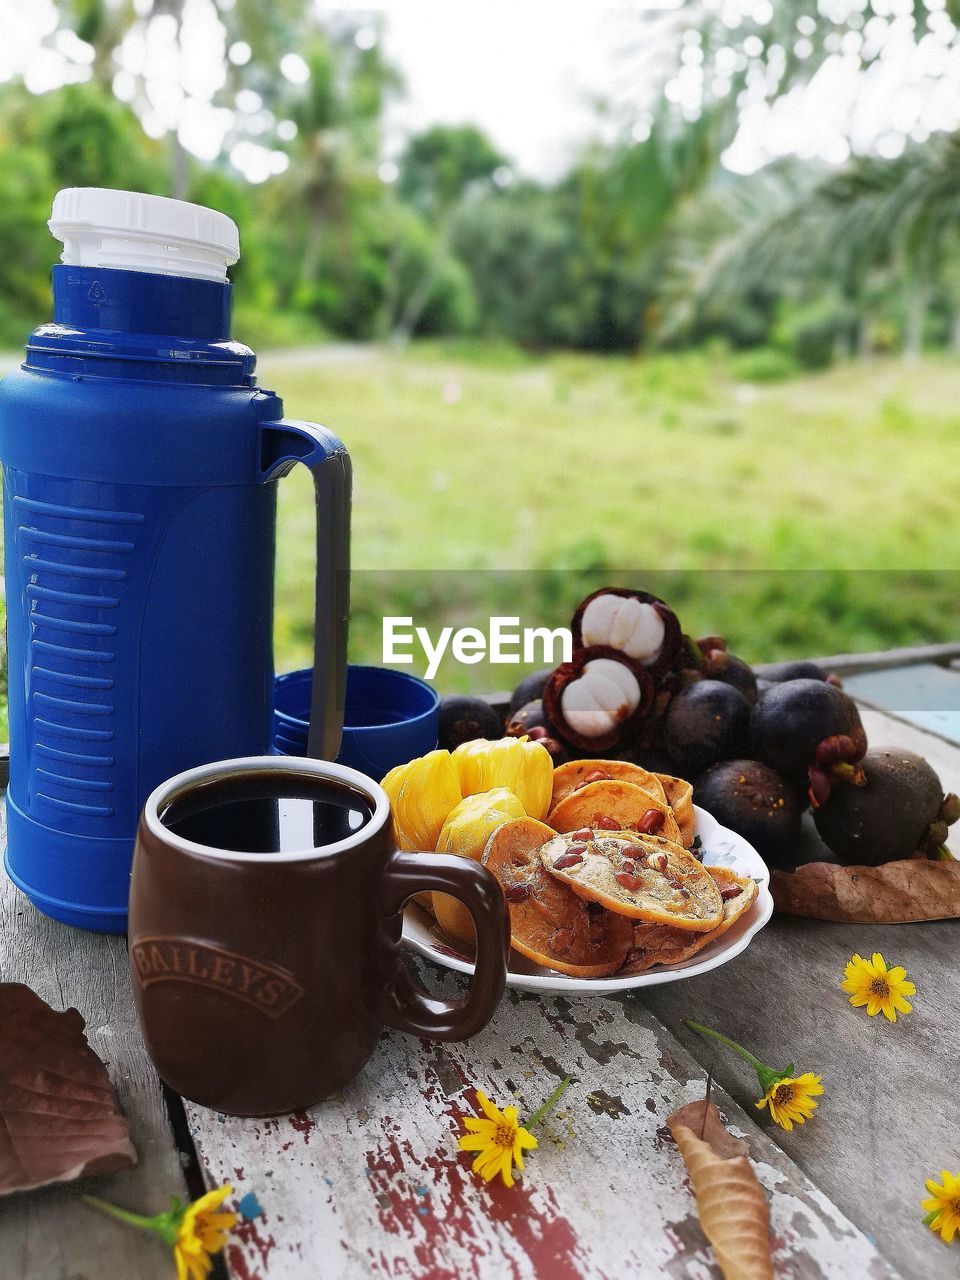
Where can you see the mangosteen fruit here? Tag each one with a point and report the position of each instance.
(754, 800)
(733, 670)
(899, 811)
(707, 722)
(529, 689)
(709, 658)
(530, 721)
(529, 716)
(599, 700)
(641, 626)
(778, 672)
(558, 752)
(801, 669)
(809, 727)
(463, 718)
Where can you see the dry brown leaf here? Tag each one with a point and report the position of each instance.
(894, 893)
(731, 1204)
(59, 1115)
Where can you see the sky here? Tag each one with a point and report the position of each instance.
(530, 73)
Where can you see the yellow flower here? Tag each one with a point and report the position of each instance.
(871, 983)
(943, 1207)
(791, 1099)
(194, 1231)
(202, 1232)
(499, 1139)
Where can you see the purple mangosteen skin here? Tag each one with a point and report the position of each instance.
(889, 817)
(755, 801)
(791, 720)
(626, 731)
(707, 722)
(673, 636)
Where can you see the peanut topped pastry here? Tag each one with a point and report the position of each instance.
(623, 804)
(548, 923)
(645, 878)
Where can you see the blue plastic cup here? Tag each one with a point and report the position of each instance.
(389, 718)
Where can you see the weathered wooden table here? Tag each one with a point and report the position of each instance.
(370, 1183)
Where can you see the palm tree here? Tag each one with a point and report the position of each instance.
(787, 227)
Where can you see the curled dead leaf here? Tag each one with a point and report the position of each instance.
(731, 1203)
(893, 893)
(59, 1115)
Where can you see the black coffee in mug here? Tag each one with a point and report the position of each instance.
(265, 813)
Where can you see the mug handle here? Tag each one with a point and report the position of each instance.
(406, 1005)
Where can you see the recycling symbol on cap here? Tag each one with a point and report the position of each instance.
(97, 294)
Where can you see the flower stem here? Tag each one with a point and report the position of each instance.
(122, 1215)
(160, 1224)
(731, 1044)
(550, 1103)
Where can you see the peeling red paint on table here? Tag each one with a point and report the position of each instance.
(371, 1182)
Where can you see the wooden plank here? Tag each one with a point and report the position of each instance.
(891, 1113)
(370, 1183)
(926, 696)
(845, 664)
(49, 1234)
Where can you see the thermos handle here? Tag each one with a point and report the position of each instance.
(284, 443)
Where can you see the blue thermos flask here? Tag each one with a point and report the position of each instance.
(139, 499)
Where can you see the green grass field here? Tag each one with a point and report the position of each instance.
(816, 515)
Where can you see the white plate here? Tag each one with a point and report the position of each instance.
(721, 848)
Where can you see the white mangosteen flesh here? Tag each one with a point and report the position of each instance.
(603, 696)
(625, 623)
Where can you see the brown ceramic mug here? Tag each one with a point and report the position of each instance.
(265, 919)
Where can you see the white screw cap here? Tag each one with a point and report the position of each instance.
(131, 231)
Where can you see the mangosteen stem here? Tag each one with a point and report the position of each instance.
(694, 652)
(950, 809)
(942, 854)
(852, 773)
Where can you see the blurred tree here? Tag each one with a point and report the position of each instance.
(78, 136)
(841, 232)
(333, 178)
(90, 140)
(440, 169)
(441, 164)
(541, 281)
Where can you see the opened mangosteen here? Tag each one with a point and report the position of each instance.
(462, 719)
(809, 727)
(899, 811)
(529, 689)
(599, 700)
(638, 625)
(707, 722)
(751, 798)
